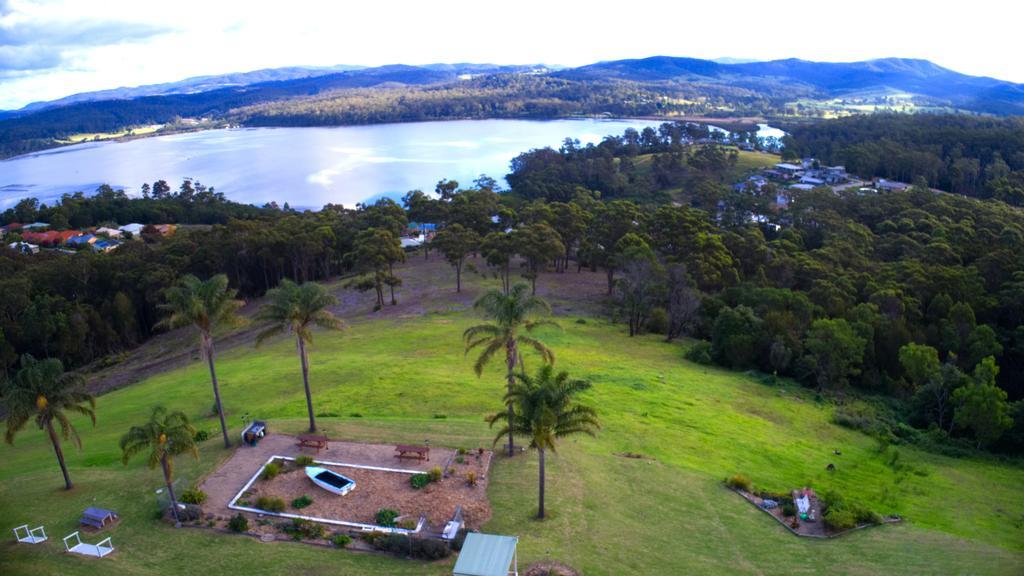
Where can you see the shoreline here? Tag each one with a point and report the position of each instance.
(732, 124)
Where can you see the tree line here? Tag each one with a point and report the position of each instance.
(981, 157)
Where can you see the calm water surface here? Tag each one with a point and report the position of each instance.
(307, 167)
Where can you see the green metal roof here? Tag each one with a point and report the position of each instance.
(485, 555)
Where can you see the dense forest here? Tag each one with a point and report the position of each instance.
(982, 157)
(915, 298)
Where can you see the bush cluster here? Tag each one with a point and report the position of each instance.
(421, 548)
(201, 436)
(270, 471)
(192, 496)
(385, 517)
(739, 482)
(303, 461)
(238, 523)
(700, 353)
(270, 503)
(301, 502)
(418, 481)
(841, 514)
(300, 529)
(435, 474)
(341, 540)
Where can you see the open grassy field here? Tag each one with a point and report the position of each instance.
(92, 136)
(402, 376)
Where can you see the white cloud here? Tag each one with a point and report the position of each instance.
(56, 47)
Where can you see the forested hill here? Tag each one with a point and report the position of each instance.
(979, 157)
(661, 85)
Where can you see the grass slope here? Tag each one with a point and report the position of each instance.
(406, 379)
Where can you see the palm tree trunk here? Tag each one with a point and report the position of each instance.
(510, 357)
(305, 382)
(60, 454)
(208, 348)
(170, 488)
(540, 485)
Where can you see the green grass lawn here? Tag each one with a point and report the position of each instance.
(405, 379)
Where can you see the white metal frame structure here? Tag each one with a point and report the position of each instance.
(99, 550)
(31, 536)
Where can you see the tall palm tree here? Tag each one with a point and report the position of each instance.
(41, 389)
(513, 316)
(166, 435)
(546, 411)
(204, 305)
(296, 309)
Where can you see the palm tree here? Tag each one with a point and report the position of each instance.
(43, 391)
(204, 305)
(547, 411)
(166, 435)
(297, 309)
(512, 314)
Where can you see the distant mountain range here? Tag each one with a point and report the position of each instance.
(656, 86)
(340, 76)
(826, 79)
(822, 79)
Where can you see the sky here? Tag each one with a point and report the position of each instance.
(53, 48)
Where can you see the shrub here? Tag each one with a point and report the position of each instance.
(657, 323)
(739, 482)
(270, 503)
(459, 540)
(301, 502)
(407, 524)
(867, 418)
(341, 540)
(270, 471)
(192, 496)
(460, 460)
(841, 514)
(461, 451)
(327, 415)
(303, 461)
(471, 479)
(187, 512)
(201, 436)
(418, 481)
(435, 474)
(238, 523)
(838, 518)
(355, 415)
(429, 549)
(300, 529)
(788, 509)
(700, 353)
(386, 517)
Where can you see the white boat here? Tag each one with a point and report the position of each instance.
(330, 480)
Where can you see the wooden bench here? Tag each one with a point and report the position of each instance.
(313, 441)
(410, 451)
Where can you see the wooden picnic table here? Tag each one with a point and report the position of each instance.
(97, 517)
(312, 441)
(412, 451)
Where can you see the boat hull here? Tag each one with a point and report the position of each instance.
(330, 480)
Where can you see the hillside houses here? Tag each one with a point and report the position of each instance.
(31, 238)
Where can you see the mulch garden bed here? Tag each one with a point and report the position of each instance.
(377, 489)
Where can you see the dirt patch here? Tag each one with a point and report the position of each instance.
(548, 568)
(378, 489)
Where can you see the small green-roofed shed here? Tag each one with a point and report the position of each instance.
(487, 555)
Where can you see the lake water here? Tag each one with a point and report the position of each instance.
(306, 167)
